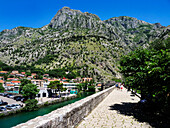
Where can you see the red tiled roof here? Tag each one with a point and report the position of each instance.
(99, 85)
(3, 71)
(10, 85)
(23, 73)
(1, 81)
(16, 81)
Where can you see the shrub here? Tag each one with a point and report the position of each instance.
(46, 103)
(2, 89)
(31, 104)
(100, 89)
(91, 88)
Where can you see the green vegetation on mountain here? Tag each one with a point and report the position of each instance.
(77, 42)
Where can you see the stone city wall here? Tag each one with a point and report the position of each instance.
(68, 116)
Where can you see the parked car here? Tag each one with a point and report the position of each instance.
(10, 107)
(1, 94)
(3, 103)
(2, 109)
(17, 105)
(10, 96)
(23, 99)
(5, 94)
(18, 98)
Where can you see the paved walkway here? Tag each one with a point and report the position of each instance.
(111, 112)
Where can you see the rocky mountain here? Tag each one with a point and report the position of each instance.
(79, 40)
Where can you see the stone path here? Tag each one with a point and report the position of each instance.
(111, 113)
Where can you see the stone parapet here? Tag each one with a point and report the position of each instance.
(68, 116)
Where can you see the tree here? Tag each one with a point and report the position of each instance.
(71, 75)
(23, 82)
(31, 104)
(91, 88)
(148, 71)
(30, 91)
(2, 89)
(56, 85)
(80, 87)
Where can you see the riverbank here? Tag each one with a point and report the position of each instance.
(42, 102)
(15, 119)
(48, 101)
(70, 115)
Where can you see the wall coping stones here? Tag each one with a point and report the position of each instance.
(68, 116)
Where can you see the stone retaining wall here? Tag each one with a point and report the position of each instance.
(68, 116)
(54, 101)
(57, 100)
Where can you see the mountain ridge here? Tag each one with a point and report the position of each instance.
(77, 39)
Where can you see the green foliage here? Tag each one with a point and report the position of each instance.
(47, 59)
(91, 88)
(2, 89)
(23, 82)
(28, 73)
(147, 26)
(5, 67)
(84, 86)
(71, 75)
(57, 73)
(116, 80)
(148, 71)
(80, 87)
(31, 104)
(2, 114)
(56, 85)
(30, 90)
(5, 76)
(46, 103)
(100, 89)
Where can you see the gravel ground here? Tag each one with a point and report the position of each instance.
(113, 112)
(10, 101)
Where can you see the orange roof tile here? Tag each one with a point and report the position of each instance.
(16, 81)
(23, 73)
(1, 81)
(10, 85)
(3, 71)
(99, 85)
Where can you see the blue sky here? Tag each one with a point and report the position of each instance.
(37, 13)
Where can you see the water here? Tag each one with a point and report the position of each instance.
(14, 92)
(13, 120)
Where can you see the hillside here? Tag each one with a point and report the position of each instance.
(79, 40)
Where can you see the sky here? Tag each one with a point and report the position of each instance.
(37, 13)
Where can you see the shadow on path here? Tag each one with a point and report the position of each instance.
(133, 109)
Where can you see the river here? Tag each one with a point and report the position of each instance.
(13, 120)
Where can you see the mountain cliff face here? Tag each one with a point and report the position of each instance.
(79, 40)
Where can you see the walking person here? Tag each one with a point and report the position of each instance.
(121, 87)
